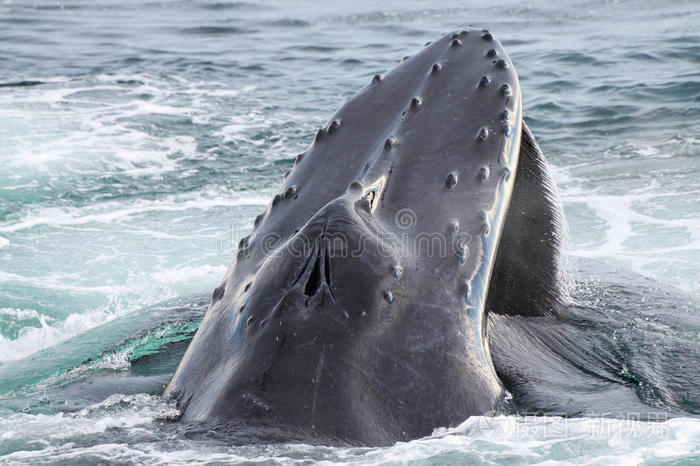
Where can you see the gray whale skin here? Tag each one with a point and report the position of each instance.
(406, 276)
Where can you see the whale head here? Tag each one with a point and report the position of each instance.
(356, 309)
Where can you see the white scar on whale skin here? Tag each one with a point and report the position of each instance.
(317, 382)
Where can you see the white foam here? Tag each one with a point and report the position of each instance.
(4, 242)
(242, 126)
(548, 439)
(651, 227)
(139, 290)
(20, 314)
(116, 412)
(540, 440)
(111, 211)
(623, 221)
(92, 127)
(58, 282)
(188, 273)
(33, 339)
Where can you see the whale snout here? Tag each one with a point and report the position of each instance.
(336, 268)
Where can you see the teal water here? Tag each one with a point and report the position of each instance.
(138, 140)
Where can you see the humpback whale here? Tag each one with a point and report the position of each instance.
(406, 276)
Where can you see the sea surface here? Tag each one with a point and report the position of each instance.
(139, 139)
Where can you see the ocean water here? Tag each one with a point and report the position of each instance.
(139, 139)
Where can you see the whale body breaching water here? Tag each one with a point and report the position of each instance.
(408, 273)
